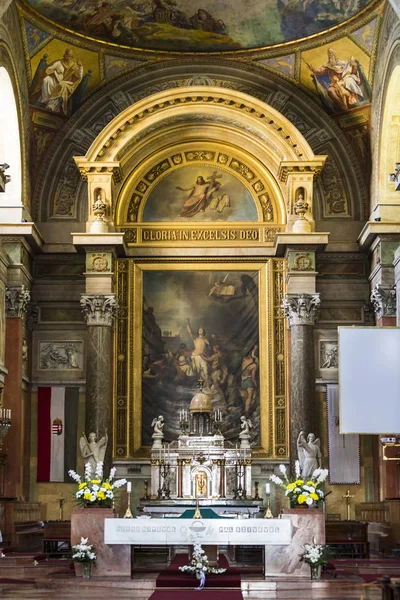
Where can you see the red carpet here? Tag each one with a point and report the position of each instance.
(171, 577)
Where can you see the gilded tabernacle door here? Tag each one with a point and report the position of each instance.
(182, 321)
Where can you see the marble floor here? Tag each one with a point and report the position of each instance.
(141, 589)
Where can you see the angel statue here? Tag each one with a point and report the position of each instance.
(244, 435)
(309, 453)
(93, 451)
(158, 433)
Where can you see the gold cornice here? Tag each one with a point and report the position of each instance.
(290, 46)
(313, 167)
(86, 168)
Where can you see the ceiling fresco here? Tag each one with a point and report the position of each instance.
(198, 25)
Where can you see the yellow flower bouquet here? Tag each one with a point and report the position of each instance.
(302, 492)
(94, 489)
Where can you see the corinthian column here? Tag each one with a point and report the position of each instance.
(99, 311)
(17, 441)
(301, 311)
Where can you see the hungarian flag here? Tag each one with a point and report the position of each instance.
(57, 432)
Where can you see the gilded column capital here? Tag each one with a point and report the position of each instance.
(99, 309)
(383, 299)
(17, 300)
(301, 309)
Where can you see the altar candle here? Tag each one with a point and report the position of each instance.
(129, 487)
(267, 488)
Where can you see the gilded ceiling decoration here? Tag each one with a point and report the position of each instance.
(190, 26)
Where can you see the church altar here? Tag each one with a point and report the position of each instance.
(173, 531)
(282, 538)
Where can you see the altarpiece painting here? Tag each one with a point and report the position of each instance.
(200, 325)
(216, 321)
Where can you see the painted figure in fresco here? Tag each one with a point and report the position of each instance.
(61, 78)
(200, 353)
(249, 382)
(184, 365)
(200, 195)
(219, 370)
(309, 453)
(93, 451)
(343, 81)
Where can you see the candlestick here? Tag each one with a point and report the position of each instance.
(128, 514)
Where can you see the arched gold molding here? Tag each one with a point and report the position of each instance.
(193, 99)
(296, 166)
(253, 174)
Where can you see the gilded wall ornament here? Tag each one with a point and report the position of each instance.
(99, 262)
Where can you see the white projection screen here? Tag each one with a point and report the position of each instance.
(369, 379)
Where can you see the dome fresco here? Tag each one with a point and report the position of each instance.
(198, 25)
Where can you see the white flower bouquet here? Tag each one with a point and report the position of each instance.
(200, 563)
(299, 491)
(95, 489)
(315, 554)
(83, 552)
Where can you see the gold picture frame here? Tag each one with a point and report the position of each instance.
(273, 399)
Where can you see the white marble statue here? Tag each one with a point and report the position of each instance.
(158, 431)
(93, 451)
(244, 435)
(309, 452)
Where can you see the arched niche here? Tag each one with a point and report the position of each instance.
(215, 118)
(389, 150)
(10, 143)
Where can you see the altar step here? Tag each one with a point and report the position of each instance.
(31, 566)
(65, 588)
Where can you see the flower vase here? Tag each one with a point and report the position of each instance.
(315, 572)
(87, 569)
(202, 577)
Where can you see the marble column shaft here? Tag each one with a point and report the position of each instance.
(301, 311)
(16, 443)
(99, 311)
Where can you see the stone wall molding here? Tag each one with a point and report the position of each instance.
(301, 309)
(17, 300)
(99, 309)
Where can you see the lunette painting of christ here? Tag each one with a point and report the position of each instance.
(200, 325)
(200, 193)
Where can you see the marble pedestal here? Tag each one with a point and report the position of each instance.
(112, 560)
(284, 561)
